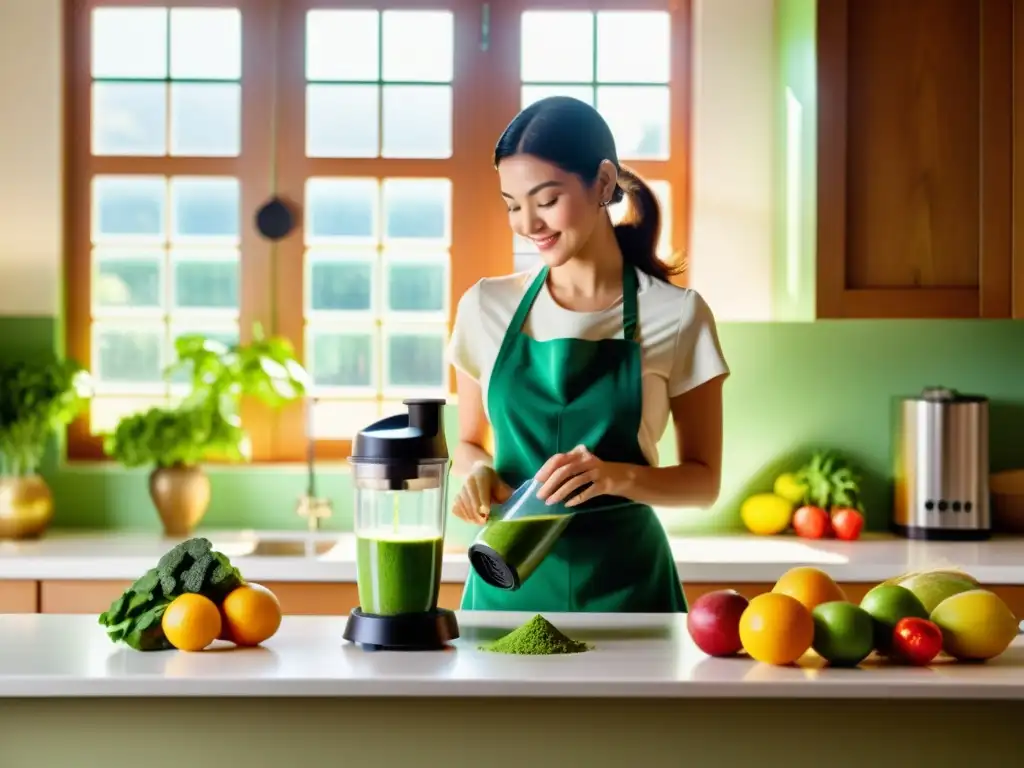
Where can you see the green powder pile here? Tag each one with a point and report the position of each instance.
(537, 637)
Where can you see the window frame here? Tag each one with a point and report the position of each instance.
(486, 90)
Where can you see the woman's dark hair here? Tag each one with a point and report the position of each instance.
(574, 136)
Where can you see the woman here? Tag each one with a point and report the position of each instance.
(576, 366)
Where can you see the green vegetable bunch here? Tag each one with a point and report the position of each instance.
(37, 398)
(830, 482)
(208, 424)
(194, 566)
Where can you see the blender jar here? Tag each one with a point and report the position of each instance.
(400, 473)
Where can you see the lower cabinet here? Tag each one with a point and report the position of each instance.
(305, 598)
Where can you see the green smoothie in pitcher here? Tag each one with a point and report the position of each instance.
(398, 572)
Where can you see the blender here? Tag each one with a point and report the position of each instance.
(400, 475)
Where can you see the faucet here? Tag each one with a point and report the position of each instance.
(310, 506)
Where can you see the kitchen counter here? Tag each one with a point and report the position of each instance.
(634, 656)
(644, 696)
(330, 557)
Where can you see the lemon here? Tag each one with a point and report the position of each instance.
(976, 625)
(766, 514)
(790, 488)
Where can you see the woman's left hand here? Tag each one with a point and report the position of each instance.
(564, 473)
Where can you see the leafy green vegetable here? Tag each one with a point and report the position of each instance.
(830, 481)
(191, 566)
(207, 424)
(36, 398)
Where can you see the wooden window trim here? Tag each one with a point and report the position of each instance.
(486, 91)
(254, 177)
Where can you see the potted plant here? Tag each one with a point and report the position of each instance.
(36, 399)
(175, 441)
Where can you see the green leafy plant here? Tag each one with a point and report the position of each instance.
(207, 424)
(37, 398)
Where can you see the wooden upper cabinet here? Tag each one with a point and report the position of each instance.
(915, 158)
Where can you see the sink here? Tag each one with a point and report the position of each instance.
(271, 548)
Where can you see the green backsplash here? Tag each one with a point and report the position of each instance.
(794, 386)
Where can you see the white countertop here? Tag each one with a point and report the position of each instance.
(735, 558)
(635, 655)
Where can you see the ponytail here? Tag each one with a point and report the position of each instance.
(639, 231)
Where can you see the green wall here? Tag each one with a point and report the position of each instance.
(795, 386)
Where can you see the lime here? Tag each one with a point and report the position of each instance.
(844, 633)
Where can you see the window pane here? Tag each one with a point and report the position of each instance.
(418, 209)
(128, 279)
(418, 46)
(128, 355)
(129, 208)
(342, 210)
(342, 121)
(342, 358)
(206, 43)
(342, 419)
(623, 63)
(206, 119)
(342, 45)
(557, 47)
(533, 93)
(106, 411)
(340, 281)
(129, 119)
(415, 359)
(206, 280)
(417, 121)
(205, 209)
(417, 284)
(639, 118)
(129, 42)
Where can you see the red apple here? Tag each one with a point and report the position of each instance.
(714, 622)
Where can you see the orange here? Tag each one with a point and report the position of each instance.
(776, 629)
(810, 586)
(191, 622)
(251, 613)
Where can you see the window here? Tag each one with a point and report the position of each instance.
(375, 124)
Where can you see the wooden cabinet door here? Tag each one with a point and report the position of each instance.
(915, 158)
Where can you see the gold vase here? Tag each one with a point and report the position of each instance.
(26, 507)
(181, 496)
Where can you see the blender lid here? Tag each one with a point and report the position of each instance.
(415, 437)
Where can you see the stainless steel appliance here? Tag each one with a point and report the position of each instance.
(941, 466)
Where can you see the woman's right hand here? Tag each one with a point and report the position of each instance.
(481, 488)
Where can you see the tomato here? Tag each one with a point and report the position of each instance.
(811, 522)
(847, 523)
(916, 640)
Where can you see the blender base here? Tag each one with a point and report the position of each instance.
(429, 631)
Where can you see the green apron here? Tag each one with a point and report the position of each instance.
(547, 397)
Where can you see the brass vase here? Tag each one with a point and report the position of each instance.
(26, 507)
(181, 496)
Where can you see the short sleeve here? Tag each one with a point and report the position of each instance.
(698, 355)
(465, 344)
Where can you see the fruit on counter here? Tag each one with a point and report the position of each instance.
(847, 523)
(713, 622)
(791, 488)
(888, 604)
(934, 587)
(190, 567)
(810, 586)
(191, 622)
(830, 481)
(976, 625)
(251, 614)
(844, 633)
(916, 641)
(776, 629)
(811, 522)
(766, 514)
